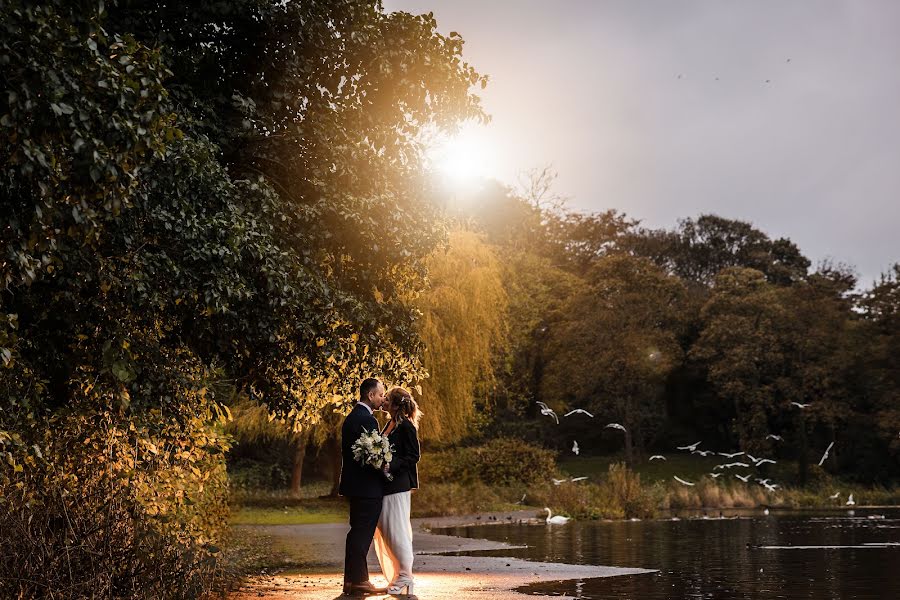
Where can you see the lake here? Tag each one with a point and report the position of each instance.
(740, 555)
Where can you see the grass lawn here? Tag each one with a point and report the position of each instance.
(685, 465)
(269, 507)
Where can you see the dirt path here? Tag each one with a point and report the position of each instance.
(438, 577)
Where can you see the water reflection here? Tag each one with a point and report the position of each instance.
(742, 556)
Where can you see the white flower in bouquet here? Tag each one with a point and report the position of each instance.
(374, 449)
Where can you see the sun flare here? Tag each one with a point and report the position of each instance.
(463, 158)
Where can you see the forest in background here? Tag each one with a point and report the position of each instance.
(708, 331)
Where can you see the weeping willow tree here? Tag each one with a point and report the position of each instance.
(463, 327)
(253, 423)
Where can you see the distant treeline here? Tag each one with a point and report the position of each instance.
(710, 331)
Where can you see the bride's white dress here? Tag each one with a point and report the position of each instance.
(393, 537)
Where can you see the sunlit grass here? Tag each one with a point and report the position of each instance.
(281, 507)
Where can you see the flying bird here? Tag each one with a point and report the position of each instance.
(763, 461)
(798, 405)
(558, 481)
(850, 501)
(614, 426)
(547, 411)
(522, 501)
(702, 452)
(578, 479)
(731, 465)
(744, 478)
(772, 436)
(752, 458)
(575, 448)
(657, 457)
(835, 496)
(714, 475)
(692, 447)
(682, 481)
(824, 456)
(578, 410)
(731, 455)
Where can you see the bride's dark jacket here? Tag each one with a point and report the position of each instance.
(406, 454)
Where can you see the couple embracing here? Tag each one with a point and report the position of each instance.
(380, 498)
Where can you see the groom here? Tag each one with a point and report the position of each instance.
(364, 488)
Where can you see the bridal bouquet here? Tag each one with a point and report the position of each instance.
(374, 449)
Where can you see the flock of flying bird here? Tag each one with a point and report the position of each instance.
(718, 470)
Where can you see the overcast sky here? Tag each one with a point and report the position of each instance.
(784, 113)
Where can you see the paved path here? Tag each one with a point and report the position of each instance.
(438, 577)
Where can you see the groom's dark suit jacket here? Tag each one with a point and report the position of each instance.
(357, 480)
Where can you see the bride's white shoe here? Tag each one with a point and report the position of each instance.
(397, 587)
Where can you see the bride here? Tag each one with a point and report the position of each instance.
(393, 538)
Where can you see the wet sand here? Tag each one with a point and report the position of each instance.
(438, 576)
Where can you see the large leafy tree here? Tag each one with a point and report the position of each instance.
(615, 345)
(197, 198)
(878, 383)
(768, 350)
(700, 248)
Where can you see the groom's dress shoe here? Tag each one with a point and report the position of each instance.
(366, 588)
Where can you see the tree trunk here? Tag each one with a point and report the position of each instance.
(300, 444)
(803, 458)
(629, 451)
(334, 449)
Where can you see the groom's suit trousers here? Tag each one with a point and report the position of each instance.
(364, 515)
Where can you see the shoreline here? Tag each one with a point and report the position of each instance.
(439, 576)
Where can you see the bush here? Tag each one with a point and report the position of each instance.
(454, 498)
(256, 475)
(109, 511)
(500, 462)
(619, 495)
(626, 491)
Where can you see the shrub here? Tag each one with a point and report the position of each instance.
(500, 462)
(619, 495)
(454, 498)
(110, 510)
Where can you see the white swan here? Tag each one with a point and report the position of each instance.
(557, 520)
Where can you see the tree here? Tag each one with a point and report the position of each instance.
(615, 345)
(700, 248)
(769, 349)
(194, 195)
(878, 385)
(252, 423)
(739, 346)
(464, 329)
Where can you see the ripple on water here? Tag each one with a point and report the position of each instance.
(784, 555)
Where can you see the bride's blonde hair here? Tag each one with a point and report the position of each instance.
(401, 398)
